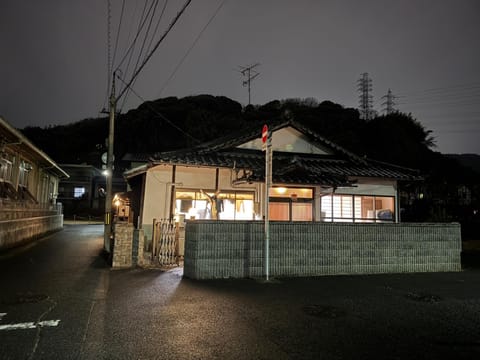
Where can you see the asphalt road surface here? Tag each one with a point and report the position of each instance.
(59, 300)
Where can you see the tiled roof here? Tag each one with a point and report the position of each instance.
(233, 140)
(289, 167)
(14, 139)
(293, 168)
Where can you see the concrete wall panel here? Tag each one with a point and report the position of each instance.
(219, 249)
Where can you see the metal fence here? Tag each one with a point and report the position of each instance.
(165, 242)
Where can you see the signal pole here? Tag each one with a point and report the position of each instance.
(250, 73)
(109, 176)
(267, 147)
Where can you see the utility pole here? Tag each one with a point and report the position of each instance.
(389, 103)
(112, 109)
(250, 73)
(109, 175)
(366, 99)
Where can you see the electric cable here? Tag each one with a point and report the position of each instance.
(180, 63)
(118, 34)
(143, 42)
(130, 49)
(157, 26)
(158, 113)
(172, 24)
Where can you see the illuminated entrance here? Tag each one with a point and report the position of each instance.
(291, 204)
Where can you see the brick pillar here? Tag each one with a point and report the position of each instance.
(122, 251)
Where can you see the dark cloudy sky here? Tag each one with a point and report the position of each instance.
(54, 57)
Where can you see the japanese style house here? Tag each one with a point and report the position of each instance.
(313, 179)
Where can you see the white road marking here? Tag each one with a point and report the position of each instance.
(29, 325)
(2, 315)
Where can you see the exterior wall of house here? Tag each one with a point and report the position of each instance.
(28, 190)
(159, 184)
(369, 186)
(287, 140)
(155, 200)
(158, 188)
(27, 173)
(222, 249)
(44, 186)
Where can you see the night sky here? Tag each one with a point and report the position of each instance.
(54, 58)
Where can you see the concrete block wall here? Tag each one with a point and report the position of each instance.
(123, 246)
(10, 210)
(16, 232)
(138, 247)
(219, 249)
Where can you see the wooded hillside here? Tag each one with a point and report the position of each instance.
(172, 123)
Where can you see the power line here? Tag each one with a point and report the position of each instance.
(157, 26)
(466, 86)
(155, 47)
(147, 31)
(109, 45)
(474, 94)
(158, 113)
(109, 64)
(143, 20)
(182, 60)
(465, 102)
(118, 36)
(457, 131)
(130, 49)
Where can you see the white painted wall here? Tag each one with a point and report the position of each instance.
(370, 186)
(159, 181)
(158, 188)
(288, 140)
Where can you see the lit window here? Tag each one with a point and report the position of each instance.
(290, 204)
(78, 192)
(348, 208)
(232, 205)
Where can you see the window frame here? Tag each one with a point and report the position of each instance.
(75, 193)
(354, 218)
(291, 200)
(198, 196)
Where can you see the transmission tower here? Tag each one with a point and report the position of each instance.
(366, 99)
(389, 103)
(249, 73)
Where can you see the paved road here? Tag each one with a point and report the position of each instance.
(152, 314)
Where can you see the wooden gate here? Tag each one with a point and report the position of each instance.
(165, 244)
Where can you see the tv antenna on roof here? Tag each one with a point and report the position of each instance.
(250, 73)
